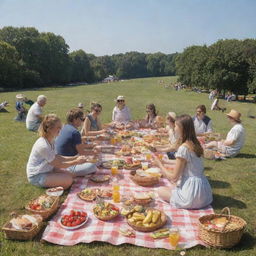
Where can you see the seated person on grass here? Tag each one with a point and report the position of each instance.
(151, 117)
(235, 139)
(3, 105)
(190, 188)
(34, 116)
(173, 145)
(202, 123)
(92, 125)
(47, 169)
(69, 142)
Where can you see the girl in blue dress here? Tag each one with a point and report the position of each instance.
(191, 189)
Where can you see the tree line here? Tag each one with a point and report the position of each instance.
(227, 65)
(29, 59)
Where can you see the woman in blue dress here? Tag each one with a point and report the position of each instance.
(191, 189)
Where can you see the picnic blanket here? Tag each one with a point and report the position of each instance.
(108, 231)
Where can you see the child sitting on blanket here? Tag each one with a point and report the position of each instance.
(191, 189)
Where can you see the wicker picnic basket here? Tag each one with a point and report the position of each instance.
(228, 236)
(45, 213)
(144, 181)
(15, 234)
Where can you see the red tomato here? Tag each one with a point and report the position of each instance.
(82, 219)
(77, 222)
(78, 213)
(69, 224)
(72, 212)
(73, 224)
(84, 214)
(70, 219)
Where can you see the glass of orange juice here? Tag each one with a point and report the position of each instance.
(160, 156)
(113, 140)
(174, 237)
(114, 169)
(116, 197)
(148, 156)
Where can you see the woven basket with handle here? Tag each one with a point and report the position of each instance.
(227, 236)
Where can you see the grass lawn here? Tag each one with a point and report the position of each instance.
(232, 180)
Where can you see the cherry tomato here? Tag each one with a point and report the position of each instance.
(72, 212)
(84, 214)
(82, 219)
(78, 213)
(69, 224)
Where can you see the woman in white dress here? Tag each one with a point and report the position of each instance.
(121, 113)
(190, 188)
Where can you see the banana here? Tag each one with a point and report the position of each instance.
(148, 217)
(140, 218)
(139, 223)
(136, 214)
(156, 215)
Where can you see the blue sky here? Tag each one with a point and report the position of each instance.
(113, 26)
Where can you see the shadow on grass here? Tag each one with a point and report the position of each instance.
(242, 155)
(219, 184)
(207, 168)
(220, 201)
(247, 242)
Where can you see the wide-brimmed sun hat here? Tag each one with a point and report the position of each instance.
(172, 115)
(235, 115)
(20, 96)
(120, 97)
(80, 105)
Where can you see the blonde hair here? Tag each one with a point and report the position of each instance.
(48, 123)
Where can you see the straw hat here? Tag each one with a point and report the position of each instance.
(120, 97)
(235, 115)
(172, 115)
(20, 96)
(80, 105)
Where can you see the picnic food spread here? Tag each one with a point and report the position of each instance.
(88, 194)
(43, 202)
(105, 211)
(147, 221)
(74, 220)
(98, 178)
(117, 162)
(25, 222)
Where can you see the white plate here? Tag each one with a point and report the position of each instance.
(54, 193)
(76, 227)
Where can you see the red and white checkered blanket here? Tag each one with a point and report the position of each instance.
(108, 231)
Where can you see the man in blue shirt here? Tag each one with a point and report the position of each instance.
(69, 141)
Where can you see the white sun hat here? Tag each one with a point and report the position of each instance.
(120, 97)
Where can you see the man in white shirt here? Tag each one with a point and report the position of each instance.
(202, 123)
(34, 116)
(235, 139)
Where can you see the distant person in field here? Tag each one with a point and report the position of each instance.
(212, 94)
(47, 169)
(19, 106)
(92, 125)
(3, 105)
(121, 113)
(235, 139)
(215, 105)
(190, 188)
(34, 116)
(202, 123)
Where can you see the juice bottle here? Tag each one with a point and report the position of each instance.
(174, 237)
(116, 187)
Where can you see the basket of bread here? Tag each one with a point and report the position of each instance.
(145, 220)
(44, 205)
(221, 230)
(147, 178)
(23, 227)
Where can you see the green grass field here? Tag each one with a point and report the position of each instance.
(232, 180)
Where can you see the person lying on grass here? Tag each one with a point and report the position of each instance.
(190, 188)
(235, 139)
(47, 169)
(92, 125)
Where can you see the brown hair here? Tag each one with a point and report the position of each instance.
(153, 108)
(48, 123)
(73, 114)
(202, 107)
(189, 134)
(95, 105)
